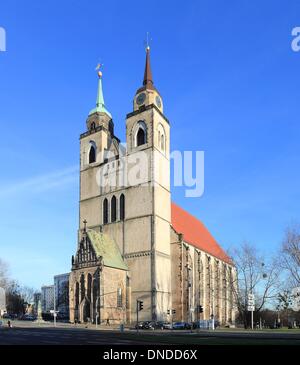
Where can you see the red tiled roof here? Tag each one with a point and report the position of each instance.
(195, 233)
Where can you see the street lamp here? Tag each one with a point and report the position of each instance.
(97, 313)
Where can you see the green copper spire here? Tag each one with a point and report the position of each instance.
(100, 106)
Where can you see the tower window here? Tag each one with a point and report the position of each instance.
(113, 209)
(141, 137)
(105, 211)
(92, 154)
(122, 207)
(161, 138)
(162, 142)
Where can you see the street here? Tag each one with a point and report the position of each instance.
(47, 334)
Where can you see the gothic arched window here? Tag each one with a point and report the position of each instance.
(113, 209)
(89, 287)
(119, 298)
(92, 154)
(105, 211)
(161, 137)
(141, 137)
(82, 287)
(122, 207)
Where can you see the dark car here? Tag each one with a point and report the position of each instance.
(143, 325)
(28, 317)
(158, 325)
(181, 326)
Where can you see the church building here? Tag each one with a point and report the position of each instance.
(134, 243)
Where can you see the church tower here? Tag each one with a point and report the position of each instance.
(147, 252)
(125, 194)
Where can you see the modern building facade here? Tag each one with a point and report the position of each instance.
(61, 286)
(47, 298)
(134, 244)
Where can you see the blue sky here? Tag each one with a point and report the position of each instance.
(230, 85)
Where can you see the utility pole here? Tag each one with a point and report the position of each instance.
(54, 306)
(137, 316)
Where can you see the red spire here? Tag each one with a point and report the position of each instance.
(148, 82)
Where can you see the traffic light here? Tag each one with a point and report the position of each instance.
(141, 305)
(168, 312)
(173, 311)
(200, 309)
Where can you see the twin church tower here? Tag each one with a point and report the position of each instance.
(124, 199)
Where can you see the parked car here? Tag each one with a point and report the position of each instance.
(28, 317)
(144, 325)
(181, 326)
(158, 325)
(167, 326)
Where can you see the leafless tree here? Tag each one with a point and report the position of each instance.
(254, 274)
(290, 255)
(27, 294)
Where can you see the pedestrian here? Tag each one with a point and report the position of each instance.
(107, 322)
(9, 324)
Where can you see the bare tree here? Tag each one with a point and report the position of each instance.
(290, 255)
(254, 274)
(27, 294)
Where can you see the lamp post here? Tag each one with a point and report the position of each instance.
(54, 306)
(97, 313)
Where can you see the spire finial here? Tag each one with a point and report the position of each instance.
(100, 106)
(148, 82)
(98, 69)
(147, 41)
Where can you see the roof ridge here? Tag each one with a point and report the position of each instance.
(196, 233)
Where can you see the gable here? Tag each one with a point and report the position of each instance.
(106, 247)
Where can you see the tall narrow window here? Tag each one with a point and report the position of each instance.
(162, 144)
(122, 207)
(113, 209)
(92, 154)
(105, 211)
(119, 298)
(141, 137)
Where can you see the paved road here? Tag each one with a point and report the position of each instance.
(32, 334)
(60, 336)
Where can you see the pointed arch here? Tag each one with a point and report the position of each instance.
(105, 211)
(113, 209)
(82, 287)
(141, 137)
(89, 287)
(92, 152)
(161, 137)
(122, 207)
(140, 134)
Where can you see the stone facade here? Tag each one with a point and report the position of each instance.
(200, 279)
